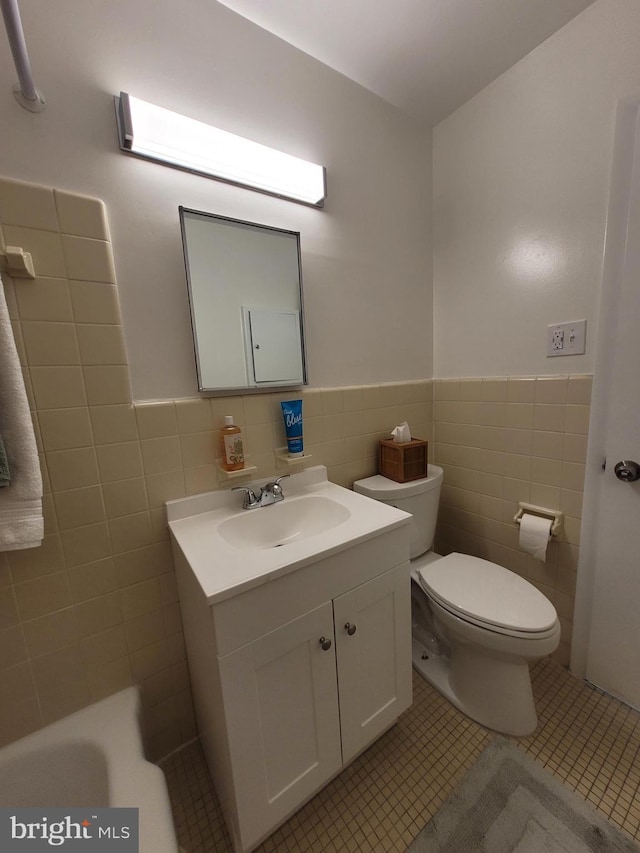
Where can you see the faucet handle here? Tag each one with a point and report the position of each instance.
(275, 488)
(250, 499)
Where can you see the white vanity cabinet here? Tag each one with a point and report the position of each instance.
(295, 677)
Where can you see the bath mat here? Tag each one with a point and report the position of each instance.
(508, 804)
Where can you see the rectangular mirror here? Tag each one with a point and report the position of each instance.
(245, 295)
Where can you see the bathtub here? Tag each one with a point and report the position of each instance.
(92, 758)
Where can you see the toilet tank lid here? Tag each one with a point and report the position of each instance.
(383, 489)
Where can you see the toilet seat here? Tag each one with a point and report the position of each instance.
(489, 596)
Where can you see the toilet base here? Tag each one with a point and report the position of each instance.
(514, 714)
(434, 669)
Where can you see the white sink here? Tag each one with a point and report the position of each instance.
(284, 523)
(231, 549)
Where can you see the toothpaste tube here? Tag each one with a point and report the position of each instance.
(292, 414)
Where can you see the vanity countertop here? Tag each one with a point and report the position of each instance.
(224, 569)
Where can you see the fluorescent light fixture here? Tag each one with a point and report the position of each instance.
(167, 137)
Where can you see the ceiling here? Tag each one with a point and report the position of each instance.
(427, 57)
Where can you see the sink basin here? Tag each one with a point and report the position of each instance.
(284, 523)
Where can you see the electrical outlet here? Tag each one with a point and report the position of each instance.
(557, 340)
(567, 338)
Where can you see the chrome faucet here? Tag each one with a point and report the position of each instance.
(271, 493)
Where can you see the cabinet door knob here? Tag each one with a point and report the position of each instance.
(326, 644)
(351, 629)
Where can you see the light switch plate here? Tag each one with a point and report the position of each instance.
(566, 338)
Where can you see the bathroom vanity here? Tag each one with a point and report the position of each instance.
(298, 630)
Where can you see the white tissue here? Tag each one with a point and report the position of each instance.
(535, 532)
(401, 434)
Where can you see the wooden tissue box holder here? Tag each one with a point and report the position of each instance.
(404, 462)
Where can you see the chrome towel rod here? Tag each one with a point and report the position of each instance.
(25, 91)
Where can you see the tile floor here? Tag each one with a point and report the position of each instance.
(382, 800)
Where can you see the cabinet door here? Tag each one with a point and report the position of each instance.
(281, 709)
(374, 660)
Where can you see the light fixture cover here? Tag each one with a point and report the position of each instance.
(158, 134)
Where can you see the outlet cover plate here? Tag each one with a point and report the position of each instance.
(567, 338)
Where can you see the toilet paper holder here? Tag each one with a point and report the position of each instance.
(532, 509)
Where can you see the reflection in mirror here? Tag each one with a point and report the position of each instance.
(245, 295)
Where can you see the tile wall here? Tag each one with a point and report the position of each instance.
(505, 440)
(95, 608)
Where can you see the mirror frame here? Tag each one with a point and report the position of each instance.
(263, 387)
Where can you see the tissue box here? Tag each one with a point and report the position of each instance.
(404, 462)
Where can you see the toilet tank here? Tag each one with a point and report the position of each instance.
(418, 497)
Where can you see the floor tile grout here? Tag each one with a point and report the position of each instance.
(589, 741)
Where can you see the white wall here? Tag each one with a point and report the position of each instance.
(366, 256)
(521, 176)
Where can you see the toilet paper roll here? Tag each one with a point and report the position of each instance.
(535, 533)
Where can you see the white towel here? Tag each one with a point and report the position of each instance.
(21, 519)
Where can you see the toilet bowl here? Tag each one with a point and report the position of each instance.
(476, 625)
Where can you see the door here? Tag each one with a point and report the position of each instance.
(283, 725)
(373, 649)
(611, 551)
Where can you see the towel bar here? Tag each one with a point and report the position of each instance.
(16, 262)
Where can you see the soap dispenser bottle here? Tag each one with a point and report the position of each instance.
(231, 445)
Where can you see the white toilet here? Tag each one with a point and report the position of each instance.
(476, 625)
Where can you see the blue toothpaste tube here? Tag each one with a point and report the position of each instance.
(292, 414)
